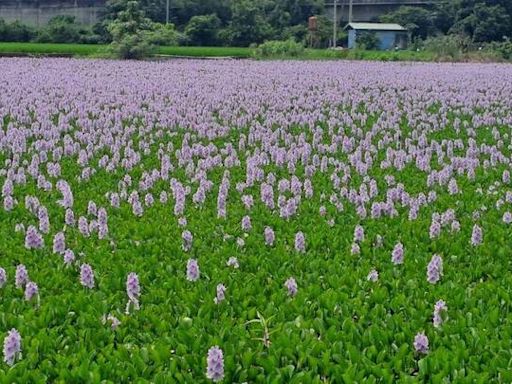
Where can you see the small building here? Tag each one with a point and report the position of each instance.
(390, 36)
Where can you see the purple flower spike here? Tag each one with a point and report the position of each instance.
(69, 256)
(437, 319)
(215, 361)
(12, 347)
(373, 276)
(3, 277)
(300, 242)
(434, 269)
(31, 291)
(33, 239)
(421, 343)
(397, 256)
(291, 286)
(233, 262)
(21, 276)
(269, 236)
(59, 243)
(187, 240)
(192, 270)
(221, 294)
(133, 291)
(476, 236)
(86, 276)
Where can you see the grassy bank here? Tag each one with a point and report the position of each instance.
(88, 50)
(51, 49)
(82, 50)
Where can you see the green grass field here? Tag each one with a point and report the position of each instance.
(98, 50)
(89, 50)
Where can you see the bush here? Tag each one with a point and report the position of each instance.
(62, 29)
(278, 48)
(15, 32)
(503, 49)
(166, 35)
(448, 46)
(367, 40)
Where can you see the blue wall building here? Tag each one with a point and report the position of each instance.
(390, 36)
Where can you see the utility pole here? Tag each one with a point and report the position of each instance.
(167, 13)
(350, 11)
(334, 24)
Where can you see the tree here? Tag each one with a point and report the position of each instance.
(130, 32)
(484, 23)
(203, 29)
(481, 20)
(248, 24)
(418, 21)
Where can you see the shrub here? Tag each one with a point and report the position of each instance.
(162, 34)
(15, 32)
(448, 46)
(367, 40)
(278, 48)
(503, 49)
(62, 29)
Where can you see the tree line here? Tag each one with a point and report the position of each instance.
(245, 22)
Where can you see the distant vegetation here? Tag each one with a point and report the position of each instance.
(449, 30)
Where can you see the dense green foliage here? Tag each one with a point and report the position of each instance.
(246, 22)
(367, 40)
(287, 48)
(15, 31)
(478, 20)
(64, 29)
(229, 22)
(203, 30)
(131, 33)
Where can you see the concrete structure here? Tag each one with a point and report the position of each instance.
(39, 12)
(370, 10)
(390, 36)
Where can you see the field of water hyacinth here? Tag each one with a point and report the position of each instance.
(257, 222)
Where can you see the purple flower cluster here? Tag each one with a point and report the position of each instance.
(133, 291)
(421, 343)
(215, 364)
(187, 240)
(12, 347)
(31, 291)
(300, 242)
(86, 276)
(476, 235)
(221, 294)
(33, 239)
(21, 276)
(435, 269)
(192, 270)
(3, 277)
(291, 286)
(397, 256)
(439, 307)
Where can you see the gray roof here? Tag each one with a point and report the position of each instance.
(375, 27)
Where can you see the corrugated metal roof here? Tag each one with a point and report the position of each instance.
(375, 26)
